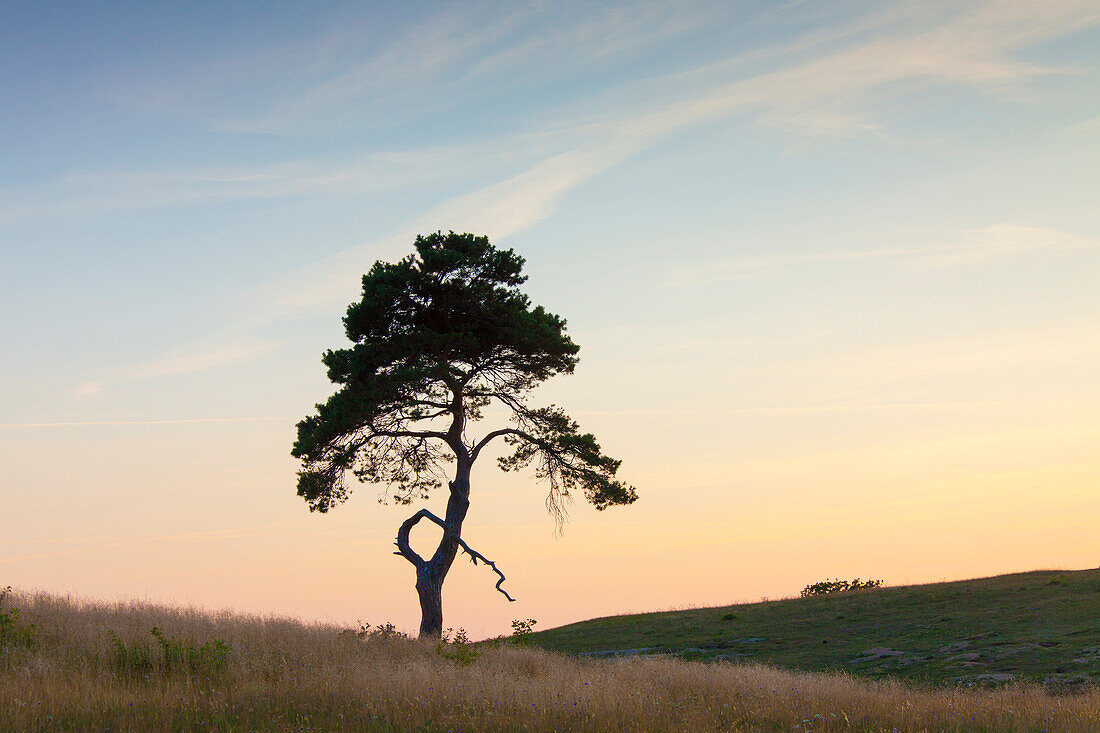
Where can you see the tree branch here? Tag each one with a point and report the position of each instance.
(432, 415)
(496, 434)
(475, 556)
(406, 434)
(406, 551)
(431, 403)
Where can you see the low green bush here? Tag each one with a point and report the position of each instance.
(825, 587)
(522, 630)
(14, 635)
(456, 647)
(169, 655)
(381, 631)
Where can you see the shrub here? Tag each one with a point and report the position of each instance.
(731, 616)
(826, 587)
(522, 630)
(183, 654)
(381, 631)
(175, 655)
(456, 647)
(134, 659)
(12, 635)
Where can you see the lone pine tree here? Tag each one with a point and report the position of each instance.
(438, 337)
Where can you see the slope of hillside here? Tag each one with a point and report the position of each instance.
(67, 664)
(1042, 626)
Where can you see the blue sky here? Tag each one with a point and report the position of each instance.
(783, 234)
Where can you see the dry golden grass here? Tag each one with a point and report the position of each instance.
(285, 675)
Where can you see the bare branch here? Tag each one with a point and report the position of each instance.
(475, 556)
(406, 551)
(403, 548)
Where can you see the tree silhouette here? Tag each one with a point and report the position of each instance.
(437, 337)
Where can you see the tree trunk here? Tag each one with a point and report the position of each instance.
(430, 590)
(431, 574)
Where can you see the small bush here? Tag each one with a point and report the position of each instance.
(827, 587)
(12, 634)
(456, 647)
(522, 630)
(381, 631)
(731, 616)
(170, 655)
(182, 654)
(521, 635)
(136, 660)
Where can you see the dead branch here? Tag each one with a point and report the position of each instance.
(475, 556)
(406, 551)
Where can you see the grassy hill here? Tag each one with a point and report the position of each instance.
(1042, 626)
(67, 664)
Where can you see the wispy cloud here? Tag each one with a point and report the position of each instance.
(828, 93)
(818, 89)
(387, 171)
(860, 372)
(1002, 240)
(176, 365)
(949, 249)
(130, 423)
(464, 51)
(821, 84)
(499, 211)
(974, 48)
(598, 33)
(256, 531)
(807, 409)
(1088, 129)
(467, 49)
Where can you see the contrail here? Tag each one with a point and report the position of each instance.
(104, 423)
(245, 532)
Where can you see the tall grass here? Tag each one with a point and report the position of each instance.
(279, 674)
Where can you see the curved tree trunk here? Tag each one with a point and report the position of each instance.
(430, 574)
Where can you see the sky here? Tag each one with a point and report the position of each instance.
(834, 268)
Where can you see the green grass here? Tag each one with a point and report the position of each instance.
(1042, 626)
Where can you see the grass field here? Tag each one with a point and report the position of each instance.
(87, 666)
(1041, 627)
